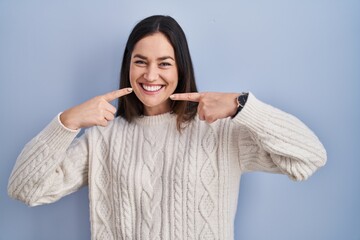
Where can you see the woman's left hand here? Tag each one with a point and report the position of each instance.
(212, 105)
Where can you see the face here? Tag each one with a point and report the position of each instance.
(153, 73)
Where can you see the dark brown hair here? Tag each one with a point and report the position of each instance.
(130, 106)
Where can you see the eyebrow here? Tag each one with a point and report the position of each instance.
(160, 58)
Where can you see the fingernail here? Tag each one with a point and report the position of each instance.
(130, 89)
(171, 97)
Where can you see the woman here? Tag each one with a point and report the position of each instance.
(169, 166)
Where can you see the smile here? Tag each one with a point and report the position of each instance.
(151, 88)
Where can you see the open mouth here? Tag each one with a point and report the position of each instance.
(151, 88)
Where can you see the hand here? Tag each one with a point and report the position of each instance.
(94, 112)
(212, 105)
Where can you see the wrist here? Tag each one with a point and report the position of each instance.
(66, 121)
(240, 102)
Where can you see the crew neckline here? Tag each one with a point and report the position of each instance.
(155, 119)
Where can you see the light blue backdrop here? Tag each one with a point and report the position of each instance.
(301, 56)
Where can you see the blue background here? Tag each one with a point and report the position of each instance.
(300, 56)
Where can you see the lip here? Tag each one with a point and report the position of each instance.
(151, 92)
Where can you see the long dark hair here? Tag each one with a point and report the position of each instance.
(130, 106)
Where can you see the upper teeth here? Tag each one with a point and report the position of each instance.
(151, 88)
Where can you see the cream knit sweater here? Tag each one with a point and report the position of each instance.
(148, 181)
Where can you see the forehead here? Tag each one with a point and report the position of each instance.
(154, 45)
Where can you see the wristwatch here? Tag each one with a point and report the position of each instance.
(241, 100)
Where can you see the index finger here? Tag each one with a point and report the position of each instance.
(116, 94)
(193, 97)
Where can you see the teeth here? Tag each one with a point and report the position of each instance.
(151, 88)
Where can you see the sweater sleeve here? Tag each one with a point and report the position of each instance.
(50, 166)
(271, 140)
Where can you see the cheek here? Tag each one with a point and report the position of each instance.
(133, 74)
(172, 81)
(173, 76)
(175, 82)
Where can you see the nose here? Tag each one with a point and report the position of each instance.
(151, 73)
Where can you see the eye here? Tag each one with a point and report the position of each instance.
(165, 64)
(140, 62)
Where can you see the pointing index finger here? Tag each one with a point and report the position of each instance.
(193, 97)
(116, 94)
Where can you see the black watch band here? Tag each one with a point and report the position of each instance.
(241, 100)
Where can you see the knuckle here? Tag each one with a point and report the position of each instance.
(100, 118)
(113, 109)
(104, 123)
(210, 119)
(101, 105)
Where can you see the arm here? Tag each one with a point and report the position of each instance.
(50, 166)
(264, 138)
(271, 140)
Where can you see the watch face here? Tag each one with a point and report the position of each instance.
(242, 99)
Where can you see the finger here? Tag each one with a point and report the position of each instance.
(193, 97)
(103, 122)
(108, 116)
(201, 114)
(110, 108)
(116, 94)
(210, 120)
(201, 117)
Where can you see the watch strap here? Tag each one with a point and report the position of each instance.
(241, 100)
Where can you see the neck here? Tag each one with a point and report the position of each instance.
(152, 111)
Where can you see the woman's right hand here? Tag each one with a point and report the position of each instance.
(94, 112)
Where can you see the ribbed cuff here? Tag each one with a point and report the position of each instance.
(56, 135)
(254, 114)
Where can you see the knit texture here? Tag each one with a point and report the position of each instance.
(148, 181)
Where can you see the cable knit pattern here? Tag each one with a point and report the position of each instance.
(124, 188)
(178, 188)
(153, 158)
(149, 181)
(191, 186)
(208, 174)
(102, 183)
